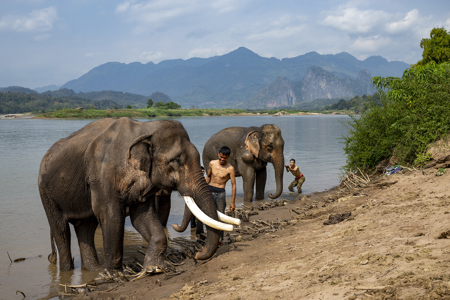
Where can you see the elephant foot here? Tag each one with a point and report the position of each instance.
(155, 264)
(52, 258)
(153, 270)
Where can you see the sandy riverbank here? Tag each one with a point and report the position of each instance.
(391, 247)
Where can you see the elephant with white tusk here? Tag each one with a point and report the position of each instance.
(111, 166)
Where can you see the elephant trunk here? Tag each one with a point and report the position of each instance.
(187, 216)
(203, 199)
(278, 165)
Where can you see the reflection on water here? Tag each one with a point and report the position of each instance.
(24, 231)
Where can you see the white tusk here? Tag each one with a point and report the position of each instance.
(228, 219)
(204, 218)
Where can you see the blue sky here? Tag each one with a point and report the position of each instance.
(45, 42)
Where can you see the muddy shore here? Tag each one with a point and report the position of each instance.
(391, 243)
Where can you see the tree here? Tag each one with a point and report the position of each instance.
(159, 104)
(128, 106)
(172, 105)
(436, 48)
(149, 103)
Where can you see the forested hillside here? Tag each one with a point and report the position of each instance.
(16, 102)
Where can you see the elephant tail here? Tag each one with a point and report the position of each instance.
(52, 256)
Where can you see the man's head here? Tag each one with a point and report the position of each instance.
(292, 162)
(224, 154)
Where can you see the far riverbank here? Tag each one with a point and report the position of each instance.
(154, 113)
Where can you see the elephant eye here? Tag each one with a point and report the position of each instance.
(270, 147)
(175, 162)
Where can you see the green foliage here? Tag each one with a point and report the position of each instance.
(441, 171)
(168, 105)
(149, 103)
(436, 48)
(357, 104)
(415, 111)
(422, 159)
(18, 102)
(128, 106)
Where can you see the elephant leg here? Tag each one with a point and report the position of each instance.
(59, 235)
(248, 179)
(112, 222)
(261, 177)
(62, 236)
(146, 221)
(163, 204)
(85, 230)
(199, 227)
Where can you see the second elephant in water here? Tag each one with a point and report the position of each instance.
(251, 149)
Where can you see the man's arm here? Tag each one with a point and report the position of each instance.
(208, 176)
(233, 189)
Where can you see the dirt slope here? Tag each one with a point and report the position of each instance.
(389, 248)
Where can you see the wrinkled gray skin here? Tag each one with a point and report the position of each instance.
(251, 149)
(92, 177)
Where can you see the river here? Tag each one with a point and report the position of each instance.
(313, 140)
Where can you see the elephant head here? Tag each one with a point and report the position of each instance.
(267, 144)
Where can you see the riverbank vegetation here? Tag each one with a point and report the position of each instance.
(415, 111)
(153, 112)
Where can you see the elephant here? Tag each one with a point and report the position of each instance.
(114, 166)
(251, 149)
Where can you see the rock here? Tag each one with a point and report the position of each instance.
(337, 218)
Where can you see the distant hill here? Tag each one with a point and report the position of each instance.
(235, 78)
(42, 89)
(316, 84)
(121, 98)
(18, 89)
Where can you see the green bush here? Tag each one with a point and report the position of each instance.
(415, 111)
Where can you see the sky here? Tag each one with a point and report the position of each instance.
(49, 42)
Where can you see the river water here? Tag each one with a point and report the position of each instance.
(313, 140)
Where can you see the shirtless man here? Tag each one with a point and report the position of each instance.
(299, 178)
(219, 172)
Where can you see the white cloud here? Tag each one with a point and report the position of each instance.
(154, 13)
(40, 20)
(208, 52)
(281, 27)
(355, 20)
(411, 19)
(225, 6)
(150, 56)
(370, 44)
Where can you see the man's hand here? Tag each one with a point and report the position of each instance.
(232, 206)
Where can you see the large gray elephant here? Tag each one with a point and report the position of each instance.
(251, 149)
(110, 166)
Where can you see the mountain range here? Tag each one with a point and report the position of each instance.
(242, 78)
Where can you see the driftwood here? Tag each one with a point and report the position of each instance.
(353, 181)
(178, 250)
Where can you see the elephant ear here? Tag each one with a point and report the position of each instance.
(252, 143)
(140, 160)
(140, 153)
